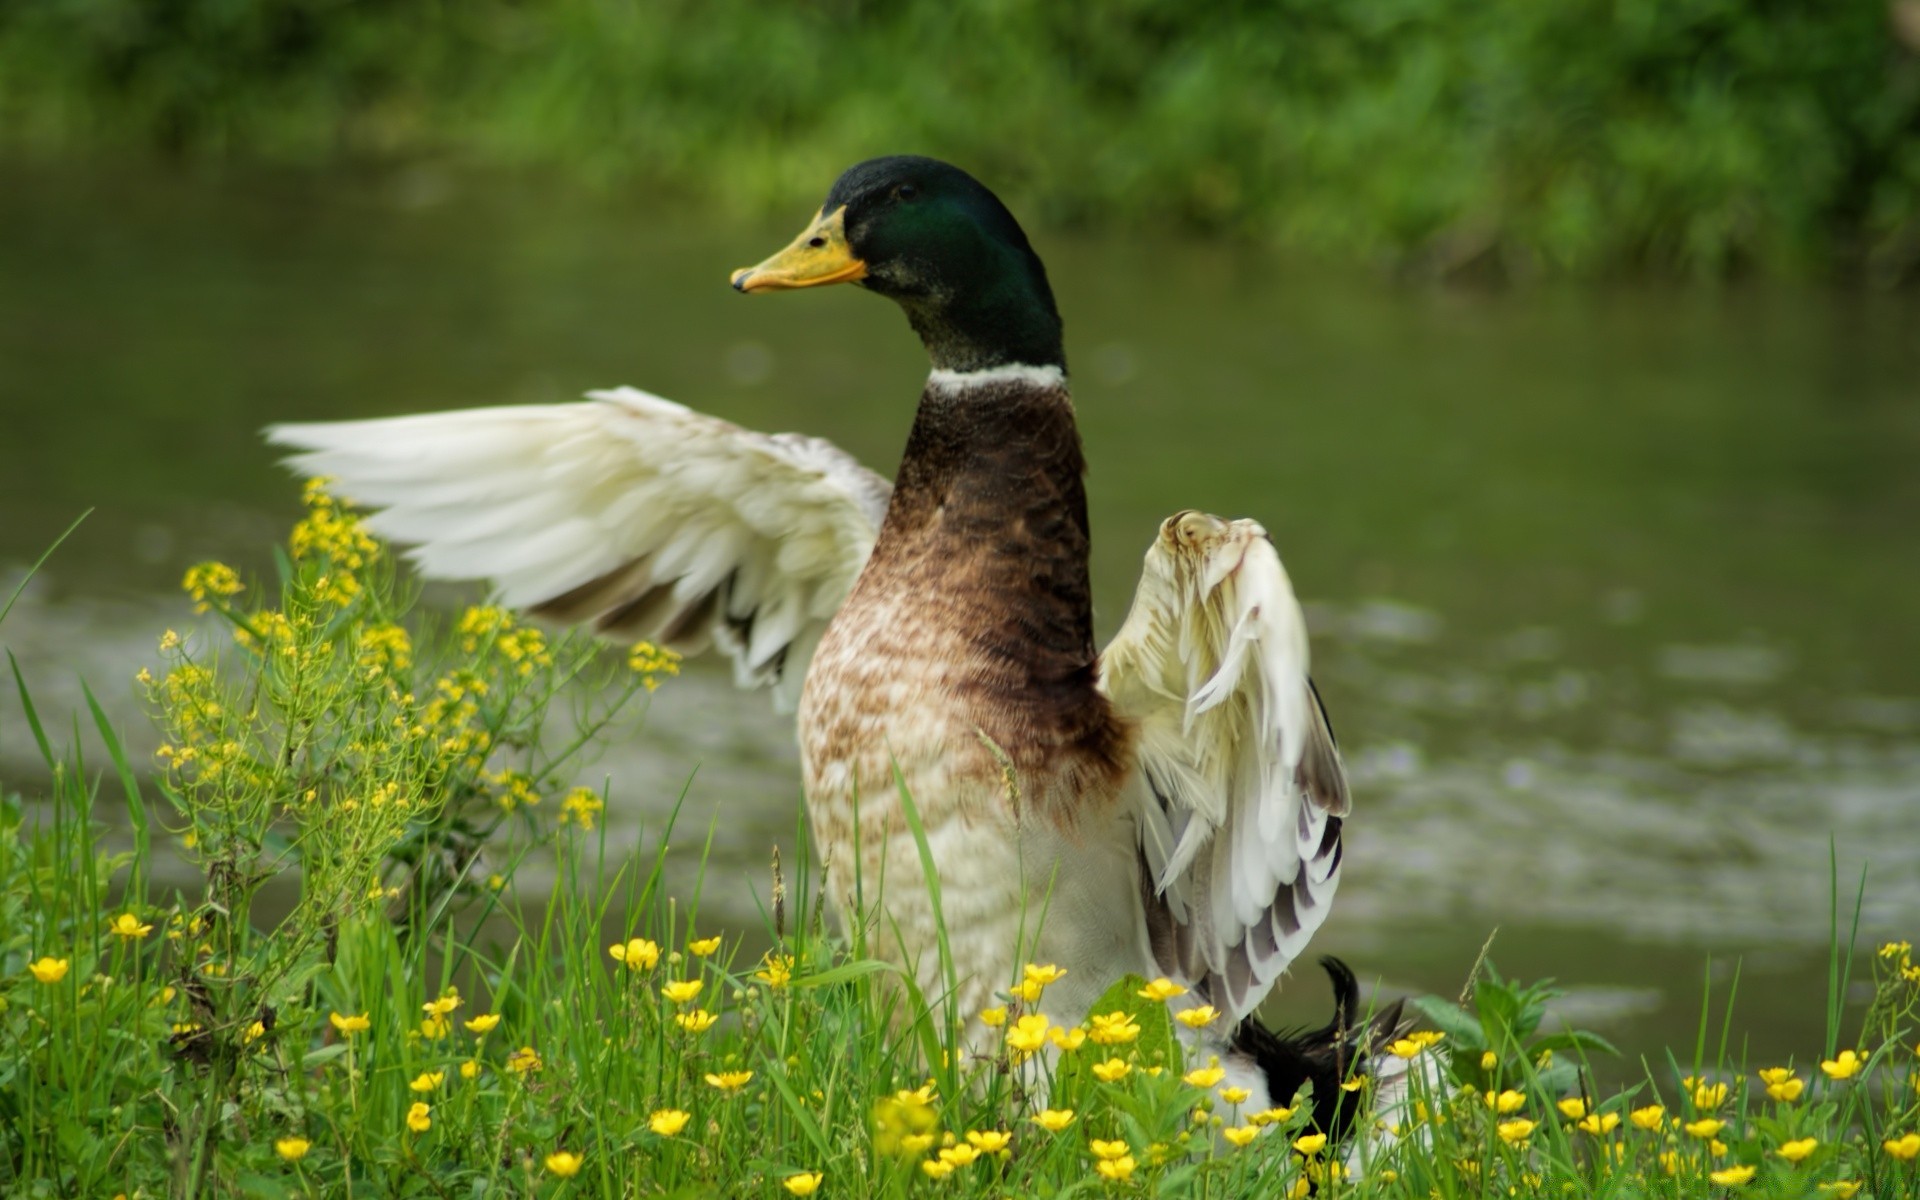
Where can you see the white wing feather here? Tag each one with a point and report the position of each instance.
(1239, 795)
(636, 513)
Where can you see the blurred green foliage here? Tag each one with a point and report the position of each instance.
(1567, 136)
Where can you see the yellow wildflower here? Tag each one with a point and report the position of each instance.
(470, 1069)
(1572, 1108)
(935, 1169)
(1198, 1017)
(210, 579)
(730, 1081)
(1115, 1170)
(1906, 1149)
(523, 1061)
(420, 1117)
(1161, 989)
(1899, 950)
(1846, 1066)
(350, 1025)
(703, 947)
(1239, 1135)
(1489, 1060)
(1205, 1077)
(445, 1004)
(293, 1149)
(1053, 1120)
(993, 1018)
(776, 970)
(1599, 1124)
(1782, 1084)
(1112, 1029)
(1109, 1150)
(1067, 1039)
(426, 1081)
(1310, 1144)
(1234, 1095)
(1798, 1149)
(1406, 1047)
(1112, 1071)
(49, 970)
(988, 1141)
(914, 1143)
(1028, 1034)
(697, 1021)
(581, 806)
(484, 1023)
(127, 925)
(960, 1156)
(1844, 1189)
(434, 1027)
(1707, 1127)
(1652, 1118)
(639, 954)
(682, 991)
(1270, 1116)
(1710, 1095)
(1516, 1131)
(1508, 1101)
(650, 662)
(803, 1183)
(1732, 1176)
(1301, 1189)
(563, 1164)
(668, 1121)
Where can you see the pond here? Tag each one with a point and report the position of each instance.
(1613, 589)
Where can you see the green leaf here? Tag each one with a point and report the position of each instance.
(1460, 1026)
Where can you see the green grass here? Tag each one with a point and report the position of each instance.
(1523, 136)
(414, 1025)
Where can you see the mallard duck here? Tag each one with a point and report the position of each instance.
(1170, 806)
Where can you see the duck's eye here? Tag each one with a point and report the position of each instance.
(816, 242)
(906, 191)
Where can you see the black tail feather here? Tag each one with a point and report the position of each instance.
(1325, 1056)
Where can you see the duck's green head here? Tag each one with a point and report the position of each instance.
(930, 237)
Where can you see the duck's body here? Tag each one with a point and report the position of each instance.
(1170, 806)
(962, 668)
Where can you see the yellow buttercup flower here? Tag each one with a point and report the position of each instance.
(935, 1169)
(293, 1149)
(1652, 1118)
(1053, 1120)
(1572, 1108)
(426, 1081)
(1906, 1149)
(127, 925)
(1112, 1029)
(1198, 1017)
(1516, 1131)
(988, 1141)
(1732, 1176)
(703, 947)
(1310, 1144)
(697, 1021)
(1508, 1101)
(1270, 1116)
(1846, 1066)
(1489, 1060)
(914, 1143)
(470, 1069)
(563, 1164)
(443, 1006)
(1028, 1034)
(1161, 989)
(1782, 1084)
(1797, 1150)
(1239, 1135)
(993, 1018)
(1104, 1149)
(1067, 1039)
(420, 1118)
(1234, 1095)
(1043, 975)
(49, 970)
(1301, 1189)
(1205, 1077)
(668, 1121)
(484, 1023)
(1599, 1124)
(350, 1025)
(959, 1156)
(639, 954)
(1112, 1071)
(1844, 1189)
(730, 1081)
(804, 1183)
(776, 970)
(1406, 1047)
(1705, 1128)
(1709, 1095)
(523, 1061)
(682, 991)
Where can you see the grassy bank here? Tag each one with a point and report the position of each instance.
(1519, 135)
(416, 1026)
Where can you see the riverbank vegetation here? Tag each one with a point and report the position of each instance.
(419, 1023)
(1512, 137)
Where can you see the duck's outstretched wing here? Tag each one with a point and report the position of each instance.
(1240, 794)
(631, 512)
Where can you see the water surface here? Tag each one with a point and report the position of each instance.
(1613, 590)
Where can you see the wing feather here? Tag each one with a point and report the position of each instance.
(628, 511)
(1240, 793)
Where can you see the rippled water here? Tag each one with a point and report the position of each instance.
(1613, 590)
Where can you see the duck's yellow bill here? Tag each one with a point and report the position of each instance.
(817, 257)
